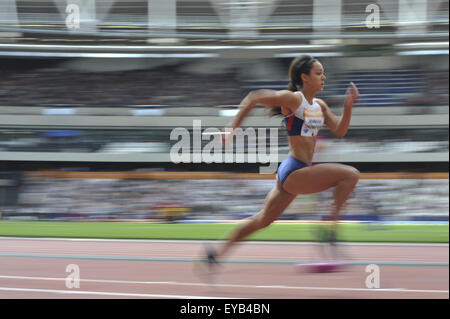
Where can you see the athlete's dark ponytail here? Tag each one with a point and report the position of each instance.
(299, 65)
(292, 87)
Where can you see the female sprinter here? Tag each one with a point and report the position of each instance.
(304, 115)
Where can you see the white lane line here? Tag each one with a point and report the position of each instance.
(260, 258)
(93, 280)
(106, 293)
(177, 241)
(174, 283)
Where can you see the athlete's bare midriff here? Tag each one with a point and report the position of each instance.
(302, 148)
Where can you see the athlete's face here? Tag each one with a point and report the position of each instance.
(316, 78)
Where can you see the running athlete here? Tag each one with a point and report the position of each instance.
(304, 115)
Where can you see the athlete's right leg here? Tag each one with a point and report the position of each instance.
(317, 178)
(275, 203)
(321, 177)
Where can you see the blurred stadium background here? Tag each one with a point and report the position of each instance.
(81, 99)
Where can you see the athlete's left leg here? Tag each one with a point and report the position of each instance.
(275, 204)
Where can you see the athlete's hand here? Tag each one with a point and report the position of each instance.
(352, 95)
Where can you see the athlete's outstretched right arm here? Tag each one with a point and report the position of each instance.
(269, 98)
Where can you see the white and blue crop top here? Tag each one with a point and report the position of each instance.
(307, 120)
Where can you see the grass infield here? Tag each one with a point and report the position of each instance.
(215, 231)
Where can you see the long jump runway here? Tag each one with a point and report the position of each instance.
(50, 268)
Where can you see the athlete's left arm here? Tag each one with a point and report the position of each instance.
(339, 125)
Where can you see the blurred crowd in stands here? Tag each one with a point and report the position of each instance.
(76, 199)
(169, 87)
(124, 88)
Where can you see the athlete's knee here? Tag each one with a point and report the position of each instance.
(353, 175)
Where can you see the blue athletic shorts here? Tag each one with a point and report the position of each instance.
(289, 165)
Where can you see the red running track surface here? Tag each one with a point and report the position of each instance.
(36, 268)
